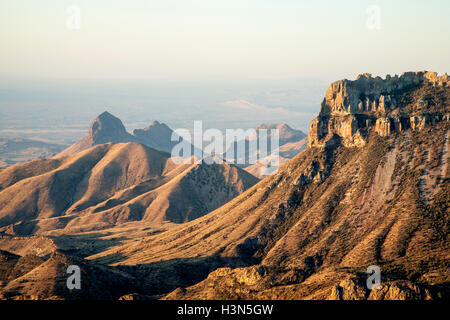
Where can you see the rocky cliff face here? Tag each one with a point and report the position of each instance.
(394, 104)
(108, 128)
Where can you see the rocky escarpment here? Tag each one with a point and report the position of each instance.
(257, 282)
(351, 109)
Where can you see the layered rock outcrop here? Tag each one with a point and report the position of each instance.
(348, 289)
(351, 108)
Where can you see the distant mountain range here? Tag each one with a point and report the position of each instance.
(108, 128)
(103, 129)
(291, 143)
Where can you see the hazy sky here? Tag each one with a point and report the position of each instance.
(231, 63)
(226, 39)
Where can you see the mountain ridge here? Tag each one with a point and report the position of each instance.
(110, 184)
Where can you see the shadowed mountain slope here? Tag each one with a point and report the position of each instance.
(32, 277)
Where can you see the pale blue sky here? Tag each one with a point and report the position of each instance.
(226, 39)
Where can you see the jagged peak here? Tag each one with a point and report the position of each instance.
(107, 119)
(280, 126)
(105, 127)
(105, 114)
(155, 125)
(285, 131)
